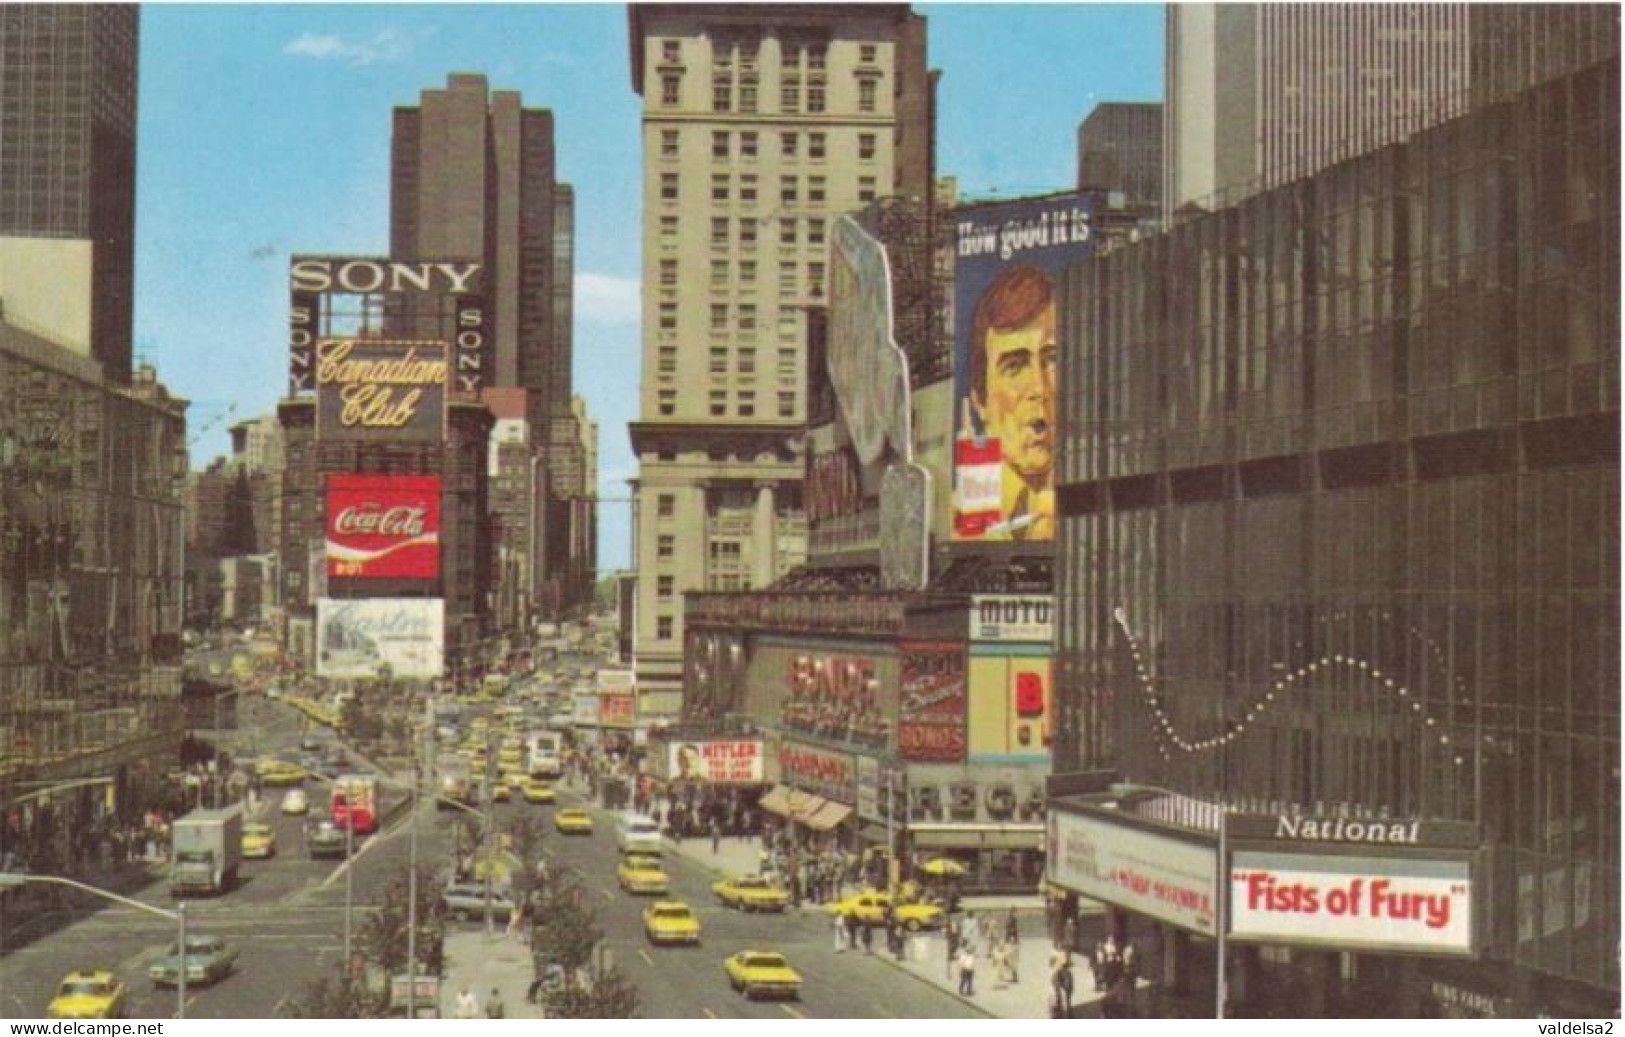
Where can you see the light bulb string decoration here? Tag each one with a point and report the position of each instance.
(1168, 735)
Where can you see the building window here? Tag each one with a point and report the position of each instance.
(787, 278)
(668, 230)
(787, 363)
(866, 147)
(866, 95)
(719, 359)
(867, 53)
(668, 402)
(788, 145)
(747, 310)
(788, 190)
(665, 545)
(815, 190)
(719, 403)
(747, 146)
(747, 97)
(815, 98)
(787, 404)
(670, 90)
(747, 232)
(747, 405)
(719, 273)
(668, 187)
(787, 320)
(722, 90)
(787, 230)
(866, 188)
(665, 505)
(668, 316)
(671, 50)
(719, 145)
(668, 360)
(663, 631)
(747, 277)
(747, 361)
(816, 146)
(790, 95)
(747, 188)
(719, 316)
(719, 230)
(668, 273)
(664, 585)
(719, 187)
(817, 55)
(815, 232)
(815, 279)
(668, 143)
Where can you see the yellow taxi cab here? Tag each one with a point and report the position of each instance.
(642, 873)
(670, 921)
(259, 841)
(762, 974)
(751, 893)
(573, 821)
(89, 994)
(500, 793)
(280, 772)
(538, 791)
(870, 909)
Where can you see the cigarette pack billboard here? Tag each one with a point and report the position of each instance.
(931, 718)
(736, 760)
(1356, 903)
(1007, 259)
(356, 638)
(370, 389)
(383, 526)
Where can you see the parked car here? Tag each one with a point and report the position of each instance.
(466, 900)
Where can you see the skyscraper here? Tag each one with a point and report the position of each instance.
(1258, 95)
(473, 176)
(761, 123)
(1120, 149)
(67, 167)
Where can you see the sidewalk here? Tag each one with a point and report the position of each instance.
(474, 962)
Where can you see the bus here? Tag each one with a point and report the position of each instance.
(545, 754)
(355, 801)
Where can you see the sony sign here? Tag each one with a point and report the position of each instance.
(329, 274)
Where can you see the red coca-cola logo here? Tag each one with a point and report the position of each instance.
(379, 520)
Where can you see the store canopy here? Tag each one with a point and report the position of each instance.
(815, 812)
(777, 801)
(828, 816)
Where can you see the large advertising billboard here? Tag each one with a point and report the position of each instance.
(1354, 903)
(383, 526)
(837, 697)
(1167, 879)
(716, 762)
(829, 774)
(381, 389)
(1010, 712)
(356, 638)
(931, 713)
(1007, 259)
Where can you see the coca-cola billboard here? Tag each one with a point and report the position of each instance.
(383, 526)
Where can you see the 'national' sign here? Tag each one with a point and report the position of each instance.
(383, 527)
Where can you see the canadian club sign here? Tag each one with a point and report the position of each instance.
(383, 527)
(381, 389)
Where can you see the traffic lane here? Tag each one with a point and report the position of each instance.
(690, 982)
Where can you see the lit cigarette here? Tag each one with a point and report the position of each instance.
(1012, 525)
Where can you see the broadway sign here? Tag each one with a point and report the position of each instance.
(374, 389)
(383, 527)
(931, 727)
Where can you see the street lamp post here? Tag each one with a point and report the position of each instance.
(11, 880)
(349, 886)
(219, 773)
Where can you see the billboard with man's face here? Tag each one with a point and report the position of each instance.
(1007, 261)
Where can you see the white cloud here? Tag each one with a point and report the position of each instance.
(607, 299)
(383, 45)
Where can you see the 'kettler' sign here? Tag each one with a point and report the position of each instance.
(441, 300)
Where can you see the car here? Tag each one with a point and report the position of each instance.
(500, 793)
(870, 909)
(209, 959)
(539, 792)
(635, 833)
(642, 873)
(762, 974)
(573, 821)
(259, 841)
(751, 893)
(670, 921)
(295, 803)
(324, 839)
(454, 789)
(310, 744)
(466, 901)
(89, 994)
(276, 773)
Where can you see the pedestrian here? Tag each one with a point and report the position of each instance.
(950, 936)
(1061, 982)
(967, 972)
(516, 921)
(716, 837)
(868, 938)
(1012, 929)
(840, 933)
(494, 1008)
(467, 1007)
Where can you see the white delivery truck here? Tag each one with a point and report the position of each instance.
(206, 847)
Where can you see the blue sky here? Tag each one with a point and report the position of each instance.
(264, 130)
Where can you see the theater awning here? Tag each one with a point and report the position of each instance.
(814, 811)
(828, 816)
